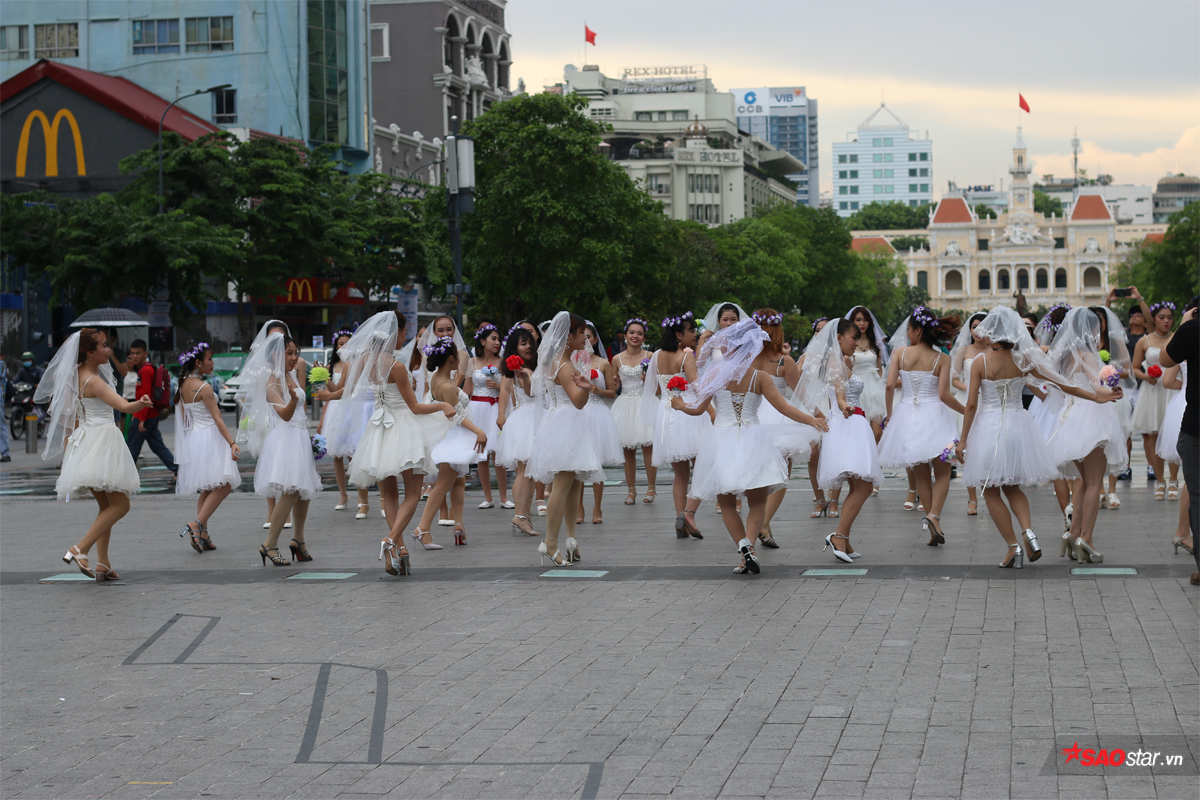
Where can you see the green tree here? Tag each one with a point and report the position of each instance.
(1045, 204)
(985, 212)
(892, 216)
(903, 243)
(1170, 269)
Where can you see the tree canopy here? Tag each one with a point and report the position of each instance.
(892, 216)
(1170, 269)
(1045, 204)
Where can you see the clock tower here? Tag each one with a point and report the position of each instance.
(1021, 196)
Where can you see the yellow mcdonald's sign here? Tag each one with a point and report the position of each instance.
(50, 135)
(297, 288)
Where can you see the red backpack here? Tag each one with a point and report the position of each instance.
(160, 388)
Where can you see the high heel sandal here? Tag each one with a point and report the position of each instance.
(1016, 560)
(1085, 553)
(264, 552)
(650, 495)
(341, 506)
(764, 536)
(832, 511)
(418, 533)
(1033, 550)
(691, 529)
(1114, 503)
(1186, 544)
(680, 530)
(1160, 490)
(579, 517)
(631, 498)
(106, 573)
(1067, 548)
(397, 563)
(541, 508)
(80, 561)
(820, 506)
(204, 540)
(363, 508)
(972, 508)
(573, 549)
(936, 536)
(555, 559)
(1068, 513)
(750, 561)
(187, 532)
(526, 528)
(597, 517)
(299, 551)
(460, 534)
(840, 555)
(1173, 490)
(910, 502)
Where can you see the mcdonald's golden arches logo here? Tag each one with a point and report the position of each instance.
(50, 136)
(297, 288)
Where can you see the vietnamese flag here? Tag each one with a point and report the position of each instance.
(589, 35)
(1024, 105)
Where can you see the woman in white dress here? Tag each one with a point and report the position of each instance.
(459, 448)
(1153, 397)
(483, 387)
(1113, 342)
(739, 457)
(342, 439)
(821, 506)
(1048, 411)
(599, 415)
(1176, 378)
(204, 449)
(278, 437)
(518, 420)
(719, 317)
(848, 452)
(870, 364)
(564, 451)
(1001, 447)
(677, 436)
(1087, 442)
(921, 424)
(78, 386)
(966, 348)
(631, 365)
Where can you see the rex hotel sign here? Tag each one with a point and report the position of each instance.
(50, 138)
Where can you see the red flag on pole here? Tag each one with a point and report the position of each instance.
(589, 35)
(1020, 97)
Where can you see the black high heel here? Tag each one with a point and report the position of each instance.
(188, 533)
(277, 560)
(204, 540)
(936, 536)
(299, 551)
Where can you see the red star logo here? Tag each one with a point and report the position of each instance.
(1072, 752)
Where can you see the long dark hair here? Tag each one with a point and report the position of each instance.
(669, 341)
(935, 331)
(185, 370)
(978, 315)
(510, 349)
(336, 358)
(870, 331)
(1101, 315)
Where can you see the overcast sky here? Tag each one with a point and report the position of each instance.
(1126, 74)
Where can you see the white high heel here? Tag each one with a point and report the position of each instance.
(418, 533)
(446, 523)
(544, 553)
(361, 514)
(80, 561)
(340, 507)
(573, 549)
(840, 555)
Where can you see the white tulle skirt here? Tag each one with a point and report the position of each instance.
(457, 448)
(848, 451)
(627, 414)
(516, 440)
(733, 459)
(204, 462)
(344, 426)
(1045, 412)
(872, 400)
(484, 415)
(604, 431)
(286, 466)
(1082, 427)
(387, 451)
(564, 443)
(98, 459)
(1006, 449)
(916, 434)
(1125, 416)
(1151, 407)
(1168, 435)
(677, 436)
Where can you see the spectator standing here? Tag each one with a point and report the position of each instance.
(146, 431)
(29, 372)
(1184, 348)
(5, 457)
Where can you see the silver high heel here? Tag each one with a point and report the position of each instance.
(396, 564)
(556, 559)
(1179, 541)
(1085, 553)
(1016, 561)
(680, 527)
(80, 561)
(840, 555)
(1031, 545)
(418, 533)
(1067, 548)
(516, 528)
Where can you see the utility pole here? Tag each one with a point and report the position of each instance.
(460, 184)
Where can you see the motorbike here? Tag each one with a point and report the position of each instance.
(22, 404)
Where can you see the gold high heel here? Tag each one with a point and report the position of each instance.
(1186, 544)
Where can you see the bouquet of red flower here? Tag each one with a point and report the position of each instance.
(514, 363)
(677, 385)
(1155, 371)
(595, 375)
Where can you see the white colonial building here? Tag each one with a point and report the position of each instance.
(882, 162)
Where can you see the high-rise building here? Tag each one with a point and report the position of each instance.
(1173, 193)
(882, 162)
(787, 118)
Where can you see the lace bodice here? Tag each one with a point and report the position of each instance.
(519, 398)
(557, 398)
(854, 389)
(864, 363)
(599, 383)
(479, 381)
(1153, 356)
(632, 381)
(918, 386)
(665, 394)
(460, 407)
(299, 418)
(736, 410)
(1000, 395)
(964, 375)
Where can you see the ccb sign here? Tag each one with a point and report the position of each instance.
(50, 137)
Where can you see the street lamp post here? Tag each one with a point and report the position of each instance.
(460, 182)
(209, 90)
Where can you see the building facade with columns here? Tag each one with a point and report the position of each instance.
(974, 263)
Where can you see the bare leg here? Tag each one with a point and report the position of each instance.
(485, 479)
(458, 496)
(1149, 442)
(860, 492)
(876, 429)
(972, 498)
(597, 496)
(1183, 528)
(562, 497)
(364, 497)
(405, 511)
(389, 499)
(1062, 491)
(445, 480)
(631, 470)
(682, 470)
(339, 472)
(924, 483)
(733, 521)
(651, 470)
(299, 516)
(1087, 497)
(283, 509)
(211, 502)
(941, 485)
(502, 483)
(1000, 516)
(113, 506)
(756, 499)
(813, 461)
(522, 491)
(772, 504)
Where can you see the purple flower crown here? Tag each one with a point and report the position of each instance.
(645, 325)
(504, 342)
(924, 317)
(195, 352)
(1154, 309)
(767, 319)
(818, 321)
(483, 329)
(671, 322)
(442, 345)
(343, 332)
(1047, 324)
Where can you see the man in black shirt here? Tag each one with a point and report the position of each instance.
(1184, 347)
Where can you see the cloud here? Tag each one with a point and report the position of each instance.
(1137, 168)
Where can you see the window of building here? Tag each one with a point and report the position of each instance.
(887, 142)
(924, 172)
(225, 107)
(381, 44)
(923, 280)
(887, 156)
(328, 78)
(912, 187)
(60, 40)
(853, 190)
(1060, 278)
(212, 34)
(912, 173)
(877, 158)
(878, 189)
(843, 174)
(854, 205)
(954, 282)
(983, 244)
(644, 116)
(1091, 279)
(14, 42)
(843, 206)
(843, 190)
(877, 142)
(1041, 280)
(924, 187)
(1002, 281)
(914, 203)
(662, 116)
(853, 173)
(1060, 243)
(985, 281)
(854, 158)
(889, 173)
(152, 36)
(842, 159)
(924, 157)
(888, 189)
(878, 173)
(1023, 280)
(679, 116)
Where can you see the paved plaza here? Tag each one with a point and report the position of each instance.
(649, 670)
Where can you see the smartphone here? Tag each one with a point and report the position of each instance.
(1122, 292)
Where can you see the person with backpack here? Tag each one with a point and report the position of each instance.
(155, 383)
